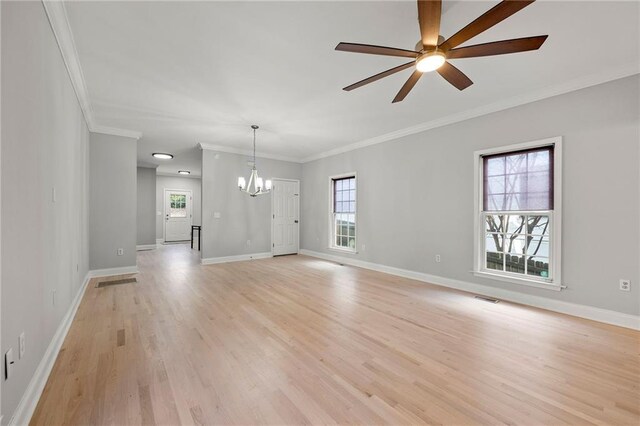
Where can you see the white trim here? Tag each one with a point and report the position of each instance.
(555, 216)
(113, 131)
(516, 280)
(238, 258)
(332, 245)
(273, 180)
(231, 150)
(146, 247)
(159, 241)
(31, 396)
(164, 216)
(57, 15)
(571, 86)
(108, 272)
(582, 311)
(344, 249)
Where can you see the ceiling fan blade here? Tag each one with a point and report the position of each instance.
(375, 50)
(454, 76)
(498, 47)
(496, 14)
(408, 85)
(429, 12)
(380, 75)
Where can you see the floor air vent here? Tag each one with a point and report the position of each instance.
(116, 282)
(487, 299)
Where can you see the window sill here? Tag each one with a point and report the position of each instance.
(343, 250)
(516, 280)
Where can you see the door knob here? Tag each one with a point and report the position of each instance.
(295, 221)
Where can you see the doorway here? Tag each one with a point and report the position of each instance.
(285, 208)
(177, 215)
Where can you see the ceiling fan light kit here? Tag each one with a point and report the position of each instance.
(433, 52)
(430, 61)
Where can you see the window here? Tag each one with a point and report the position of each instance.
(178, 205)
(343, 212)
(518, 225)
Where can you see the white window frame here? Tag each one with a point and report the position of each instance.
(332, 237)
(554, 282)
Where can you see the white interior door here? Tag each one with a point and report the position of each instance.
(177, 215)
(285, 227)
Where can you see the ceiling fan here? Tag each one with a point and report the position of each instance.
(432, 52)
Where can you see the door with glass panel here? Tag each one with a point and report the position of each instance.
(177, 215)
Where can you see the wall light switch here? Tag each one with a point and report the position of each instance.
(120, 252)
(216, 215)
(438, 258)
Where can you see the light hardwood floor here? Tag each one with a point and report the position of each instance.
(296, 340)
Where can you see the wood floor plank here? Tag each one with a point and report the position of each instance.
(297, 340)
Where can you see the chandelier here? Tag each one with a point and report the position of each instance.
(255, 186)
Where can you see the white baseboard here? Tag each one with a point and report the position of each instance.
(239, 258)
(113, 271)
(32, 394)
(146, 247)
(582, 311)
(159, 240)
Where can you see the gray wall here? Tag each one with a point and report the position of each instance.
(44, 145)
(176, 182)
(146, 206)
(242, 218)
(415, 196)
(113, 201)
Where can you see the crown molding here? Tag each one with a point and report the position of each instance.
(548, 92)
(230, 150)
(57, 15)
(113, 131)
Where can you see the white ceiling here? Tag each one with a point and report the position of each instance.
(184, 73)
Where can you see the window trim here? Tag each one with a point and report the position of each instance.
(331, 238)
(555, 255)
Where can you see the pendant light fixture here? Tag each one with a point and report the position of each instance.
(255, 186)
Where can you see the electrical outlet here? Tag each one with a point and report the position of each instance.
(21, 345)
(54, 195)
(438, 259)
(120, 251)
(8, 363)
(625, 285)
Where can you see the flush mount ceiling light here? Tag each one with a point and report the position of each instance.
(162, 155)
(255, 186)
(184, 172)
